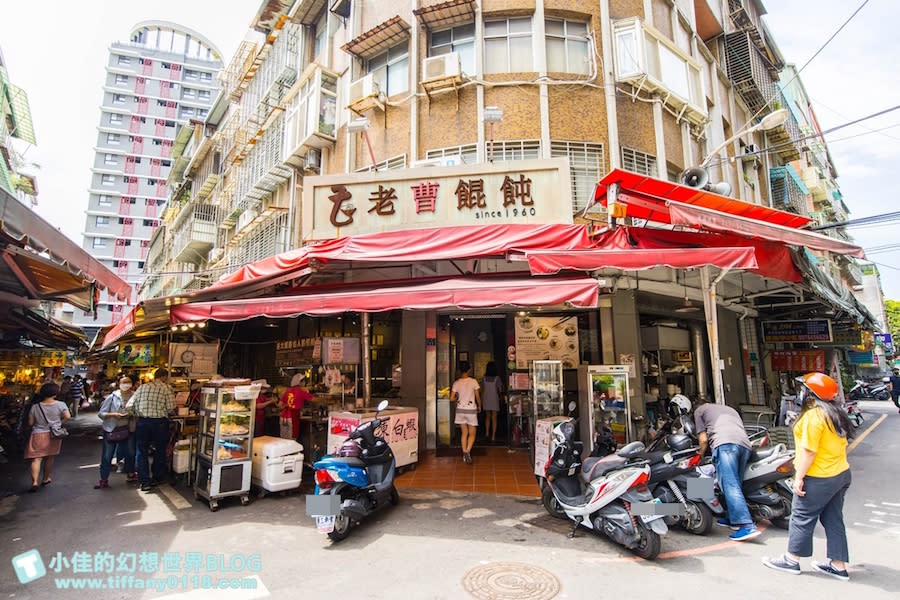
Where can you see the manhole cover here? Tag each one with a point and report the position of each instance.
(510, 581)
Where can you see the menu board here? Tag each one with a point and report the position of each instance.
(547, 338)
(299, 352)
(344, 350)
(798, 361)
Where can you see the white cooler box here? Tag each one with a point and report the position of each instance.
(277, 463)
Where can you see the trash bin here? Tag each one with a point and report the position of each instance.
(277, 464)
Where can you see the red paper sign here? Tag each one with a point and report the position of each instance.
(798, 361)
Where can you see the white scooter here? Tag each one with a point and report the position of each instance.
(607, 494)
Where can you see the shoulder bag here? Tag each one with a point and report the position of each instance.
(56, 428)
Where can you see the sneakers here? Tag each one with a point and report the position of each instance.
(829, 569)
(747, 532)
(146, 487)
(102, 484)
(724, 522)
(782, 563)
(467, 458)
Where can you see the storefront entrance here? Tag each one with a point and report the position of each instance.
(478, 339)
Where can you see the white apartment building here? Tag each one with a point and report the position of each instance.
(163, 76)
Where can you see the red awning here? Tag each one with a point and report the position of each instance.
(550, 262)
(411, 245)
(646, 199)
(457, 292)
(637, 248)
(695, 216)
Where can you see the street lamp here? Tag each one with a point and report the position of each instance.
(361, 125)
(770, 121)
(492, 114)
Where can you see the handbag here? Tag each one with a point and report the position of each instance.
(56, 428)
(119, 434)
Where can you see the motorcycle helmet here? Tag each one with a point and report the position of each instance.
(349, 449)
(679, 405)
(818, 384)
(678, 441)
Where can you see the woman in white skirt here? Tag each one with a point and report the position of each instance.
(466, 394)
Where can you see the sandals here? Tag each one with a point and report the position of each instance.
(47, 482)
(32, 489)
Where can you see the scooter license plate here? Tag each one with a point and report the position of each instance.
(325, 523)
(651, 518)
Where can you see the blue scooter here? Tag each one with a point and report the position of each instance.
(356, 482)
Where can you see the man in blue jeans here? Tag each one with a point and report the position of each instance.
(722, 426)
(152, 403)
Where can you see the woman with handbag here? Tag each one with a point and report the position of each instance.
(116, 431)
(45, 419)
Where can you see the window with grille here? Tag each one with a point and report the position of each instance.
(587, 164)
(638, 162)
(467, 154)
(507, 46)
(115, 119)
(266, 240)
(513, 149)
(567, 46)
(396, 162)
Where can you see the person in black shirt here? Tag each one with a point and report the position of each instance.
(895, 388)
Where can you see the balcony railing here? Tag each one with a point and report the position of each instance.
(752, 74)
(788, 191)
(195, 234)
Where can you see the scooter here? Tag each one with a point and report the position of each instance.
(767, 485)
(356, 483)
(673, 461)
(853, 412)
(607, 494)
(863, 390)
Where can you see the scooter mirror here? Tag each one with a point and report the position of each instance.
(572, 406)
(382, 405)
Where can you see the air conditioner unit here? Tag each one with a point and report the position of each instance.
(365, 87)
(441, 67)
(245, 219)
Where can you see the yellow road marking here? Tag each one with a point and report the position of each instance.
(865, 433)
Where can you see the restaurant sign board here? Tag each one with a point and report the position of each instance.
(525, 191)
(810, 331)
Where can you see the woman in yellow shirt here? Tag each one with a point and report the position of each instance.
(821, 479)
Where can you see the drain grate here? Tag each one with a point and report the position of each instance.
(511, 581)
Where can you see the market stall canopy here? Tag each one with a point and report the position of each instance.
(458, 292)
(47, 265)
(647, 197)
(695, 216)
(19, 323)
(434, 243)
(637, 248)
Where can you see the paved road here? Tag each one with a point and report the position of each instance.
(434, 545)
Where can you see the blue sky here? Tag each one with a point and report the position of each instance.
(856, 75)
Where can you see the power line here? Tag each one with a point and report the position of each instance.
(834, 35)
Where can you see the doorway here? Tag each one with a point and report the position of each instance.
(477, 339)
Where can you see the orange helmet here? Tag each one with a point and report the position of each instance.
(823, 386)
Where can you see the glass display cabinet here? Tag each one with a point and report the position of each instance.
(225, 443)
(547, 388)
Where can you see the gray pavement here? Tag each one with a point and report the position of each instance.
(433, 545)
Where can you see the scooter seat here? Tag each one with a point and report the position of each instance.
(350, 461)
(594, 467)
(761, 453)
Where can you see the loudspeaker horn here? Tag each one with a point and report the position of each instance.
(723, 188)
(695, 177)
